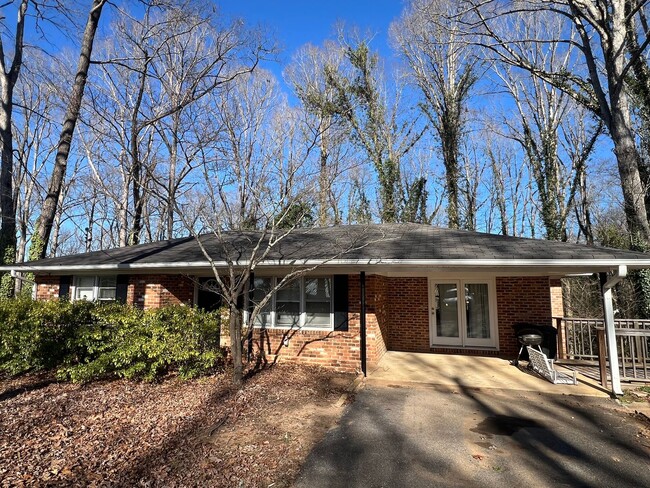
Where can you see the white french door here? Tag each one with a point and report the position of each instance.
(462, 313)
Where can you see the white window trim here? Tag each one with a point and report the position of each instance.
(303, 312)
(462, 341)
(95, 297)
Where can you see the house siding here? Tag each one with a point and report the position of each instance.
(524, 299)
(154, 291)
(397, 317)
(47, 287)
(409, 314)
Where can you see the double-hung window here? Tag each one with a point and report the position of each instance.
(302, 303)
(91, 288)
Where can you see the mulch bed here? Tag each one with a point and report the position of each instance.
(172, 433)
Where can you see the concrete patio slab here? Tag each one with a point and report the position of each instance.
(470, 372)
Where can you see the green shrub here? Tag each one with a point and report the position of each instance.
(85, 341)
(37, 335)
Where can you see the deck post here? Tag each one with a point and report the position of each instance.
(610, 332)
(362, 322)
(602, 357)
(561, 346)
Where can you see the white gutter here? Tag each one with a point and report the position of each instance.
(546, 263)
(610, 332)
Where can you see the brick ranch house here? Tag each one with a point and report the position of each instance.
(405, 280)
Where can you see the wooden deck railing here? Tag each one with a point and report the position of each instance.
(583, 339)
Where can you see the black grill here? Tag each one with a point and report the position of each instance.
(540, 336)
(530, 339)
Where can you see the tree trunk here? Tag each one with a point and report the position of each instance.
(236, 344)
(136, 163)
(49, 209)
(8, 79)
(627, 157)
(7, 204)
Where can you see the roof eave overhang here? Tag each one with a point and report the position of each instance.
(556, 265)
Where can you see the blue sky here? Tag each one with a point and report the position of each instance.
(295, 23)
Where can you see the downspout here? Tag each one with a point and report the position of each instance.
(362, 322)
(251, 306)
(610, 332)
(19, 276)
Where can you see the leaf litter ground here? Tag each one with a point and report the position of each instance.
(201, 432)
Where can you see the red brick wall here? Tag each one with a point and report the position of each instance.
(409, 314)
(148, 291)
(332, 349)
(377, 314)
(557, 302)
(521, 299)
(47, 287)
(397, 316)
(162, 290)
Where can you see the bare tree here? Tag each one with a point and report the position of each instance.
(557, 137)
(445, 70)
(599, 70)
(510, 190)
(37, 101)
(307, 75)
(8, 78)
(255, 184)
(378, 126)
(41, 236)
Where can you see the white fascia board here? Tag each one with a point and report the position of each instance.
(449, 263)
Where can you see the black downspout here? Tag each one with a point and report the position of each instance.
(251, 306)
(362, 282)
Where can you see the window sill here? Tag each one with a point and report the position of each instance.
(296, 329)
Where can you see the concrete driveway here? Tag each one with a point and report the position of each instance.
(454, 435)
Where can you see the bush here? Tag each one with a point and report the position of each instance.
(37, 335)
(85, 341)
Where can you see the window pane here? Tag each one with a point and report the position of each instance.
(287, 305)
(262, 287)
(318, 289)
(85, 281)
(84, 294)
(106, 294)
(318, 302)
(446, 296)
(288, 313)
(107, 281)
(290, 292)
(477, 310)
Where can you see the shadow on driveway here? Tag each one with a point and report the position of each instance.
(443, 435)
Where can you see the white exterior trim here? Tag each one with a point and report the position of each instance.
(557, 264)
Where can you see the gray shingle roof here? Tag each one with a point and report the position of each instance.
(389, 244)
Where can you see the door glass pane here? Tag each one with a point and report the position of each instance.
(262, 287)
(477, 310)
(446, 297)
(287, 305)
(318, 299)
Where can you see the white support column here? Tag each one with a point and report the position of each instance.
(610, 333)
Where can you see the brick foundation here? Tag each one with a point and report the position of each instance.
(333, 349)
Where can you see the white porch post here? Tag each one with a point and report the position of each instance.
(610, 333)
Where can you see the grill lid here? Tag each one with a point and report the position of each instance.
(530, 339)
